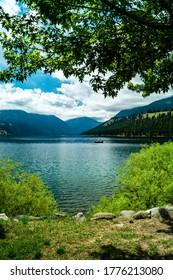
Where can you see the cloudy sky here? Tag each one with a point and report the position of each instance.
(64, 98)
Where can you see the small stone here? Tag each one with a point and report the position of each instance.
(80, 217)
(103, 215)
(3, 217)
(33, 218)
(59, 215)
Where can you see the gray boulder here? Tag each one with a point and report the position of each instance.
(165, 212)
(169, 208)
(141, 215)
(3, 217)
(128, 214)
(80, 217)
(103, 215)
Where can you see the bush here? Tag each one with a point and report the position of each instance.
(22, 192)
(145, 180)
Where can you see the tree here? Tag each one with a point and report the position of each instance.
(112, 41)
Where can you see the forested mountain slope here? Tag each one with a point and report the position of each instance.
(158, 124)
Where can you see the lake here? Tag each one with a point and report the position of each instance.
(76, 169)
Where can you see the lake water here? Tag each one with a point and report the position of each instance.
(77, 170)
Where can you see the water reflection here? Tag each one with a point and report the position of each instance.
(76, 169)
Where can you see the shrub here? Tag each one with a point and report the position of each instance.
(22, 192)
(145, 180)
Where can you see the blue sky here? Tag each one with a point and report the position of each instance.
(64, 98)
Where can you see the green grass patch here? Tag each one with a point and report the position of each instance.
(73, 240)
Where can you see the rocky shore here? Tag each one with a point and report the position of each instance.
(161, 212)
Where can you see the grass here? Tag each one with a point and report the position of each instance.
(73, 240)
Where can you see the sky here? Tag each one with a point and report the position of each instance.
(64, 98)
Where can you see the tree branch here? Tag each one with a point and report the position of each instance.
(141, 21)
(81, 6)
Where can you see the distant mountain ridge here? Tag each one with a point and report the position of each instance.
(141, 121)
(19, 123)
(164, 104)
(82, 124)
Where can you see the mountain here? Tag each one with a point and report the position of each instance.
(158, 124)
(164, 104)
(153, 120)
(20, 123)
(80, 125)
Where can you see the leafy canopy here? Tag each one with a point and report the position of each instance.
(145, 181)
(112, 41)
(23, 192)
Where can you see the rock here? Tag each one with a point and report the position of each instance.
(28, 218)
(33, 218)
(3, 217)
(154, 212)
(128, 214)
(142, 215)
(80, 217)
(59, 215)
(169, 208)
(165, 212)
(103, 215)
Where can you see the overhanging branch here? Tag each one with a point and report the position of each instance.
(141, 21)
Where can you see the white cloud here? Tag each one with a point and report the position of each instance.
(95, 105)
(73, 99)
(59, 75)
(10, 6)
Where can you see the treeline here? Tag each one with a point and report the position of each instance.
(142, 125)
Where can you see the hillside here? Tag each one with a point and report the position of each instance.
(141, 121)
(162, 105)
(142, 125)
(82, 124)
(21, 124)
